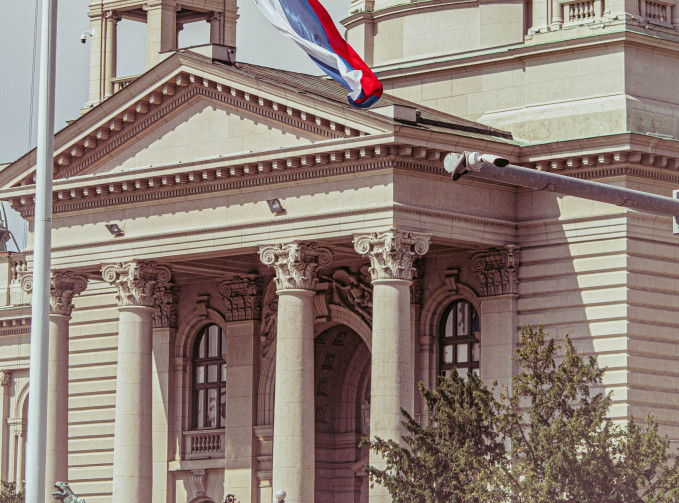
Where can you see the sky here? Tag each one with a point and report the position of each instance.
(257, 42)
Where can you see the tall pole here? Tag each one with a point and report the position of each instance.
(37, 398)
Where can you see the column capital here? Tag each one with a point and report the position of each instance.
(136, 281)
(113, 16)
(5, 378)
(165, 307)
(497, 270)
(391, 253)
(64, 285)
(242, 298)
(295, 264)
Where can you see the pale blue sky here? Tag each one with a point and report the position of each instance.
(258, 42)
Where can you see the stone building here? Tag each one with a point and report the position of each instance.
(249, 274)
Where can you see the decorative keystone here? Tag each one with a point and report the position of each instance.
(136, 281)
(392, 253)
(295, 264)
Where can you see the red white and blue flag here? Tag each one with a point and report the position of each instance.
(311, 27)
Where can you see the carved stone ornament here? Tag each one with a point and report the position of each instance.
(242, 298)
(166, 306)
(497, 270)
(136, 281)
(417, 286)
(269, 325)
(392, 253)
(64, 285)
(5, 378)
(354, 291)
(295, 264)
(199, 478)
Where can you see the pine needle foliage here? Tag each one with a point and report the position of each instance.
(9, 493)
(545, 439)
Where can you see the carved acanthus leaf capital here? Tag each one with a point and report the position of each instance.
(392, 253)
(136, 281)
(64, 285)
(497, 270)
(242, 298)
(295, 264)
(166, 306)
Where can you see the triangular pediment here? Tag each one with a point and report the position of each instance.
(204, 128)
(185, 110)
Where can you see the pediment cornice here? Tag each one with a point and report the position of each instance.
(210, 176)
(150, 101)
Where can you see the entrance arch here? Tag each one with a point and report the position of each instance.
(342, 387)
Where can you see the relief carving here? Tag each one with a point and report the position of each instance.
(497, 270)
(166, 307)
(391, 253)
(353, 291)
(64, 285)
(269, 319)
(417, 286)
(136, 282)
(242, 298)
(295, 264)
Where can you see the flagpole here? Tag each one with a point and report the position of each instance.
(37, 398)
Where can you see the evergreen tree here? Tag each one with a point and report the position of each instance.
(547, 439)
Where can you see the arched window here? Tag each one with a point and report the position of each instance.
(460, 347)
(209, 378)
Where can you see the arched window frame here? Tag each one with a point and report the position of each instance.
(459, 346)
(201, 377)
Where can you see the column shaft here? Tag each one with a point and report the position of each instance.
(132, 452)
(56, 462)
(4, 427)
(391, 380)
(294, 435)
(21, 455)
(111, 53)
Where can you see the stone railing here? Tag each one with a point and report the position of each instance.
(579, 12)
(657, 12)
(203, 444)
(122, 82)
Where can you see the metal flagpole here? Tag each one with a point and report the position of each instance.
(37, 398)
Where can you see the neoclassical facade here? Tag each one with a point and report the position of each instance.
(249, 275)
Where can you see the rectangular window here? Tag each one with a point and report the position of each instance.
(462, 353)
(211, 408)
(200, 375)
(212, 373)
(462, 319)
(200, 413)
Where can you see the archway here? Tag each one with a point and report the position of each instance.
(342, 384)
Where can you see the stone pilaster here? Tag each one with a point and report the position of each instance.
(5, 380)
(497, 270)
(392, 383)
(137, 284)
(294, 457)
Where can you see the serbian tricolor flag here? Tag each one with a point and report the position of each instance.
(311, 27)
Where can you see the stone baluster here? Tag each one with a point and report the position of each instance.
(391, 257)
(138, 284)
(294, 436)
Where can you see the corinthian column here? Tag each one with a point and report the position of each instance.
(137, 284)
(64, 285)
(391, 257)
(294, 460)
